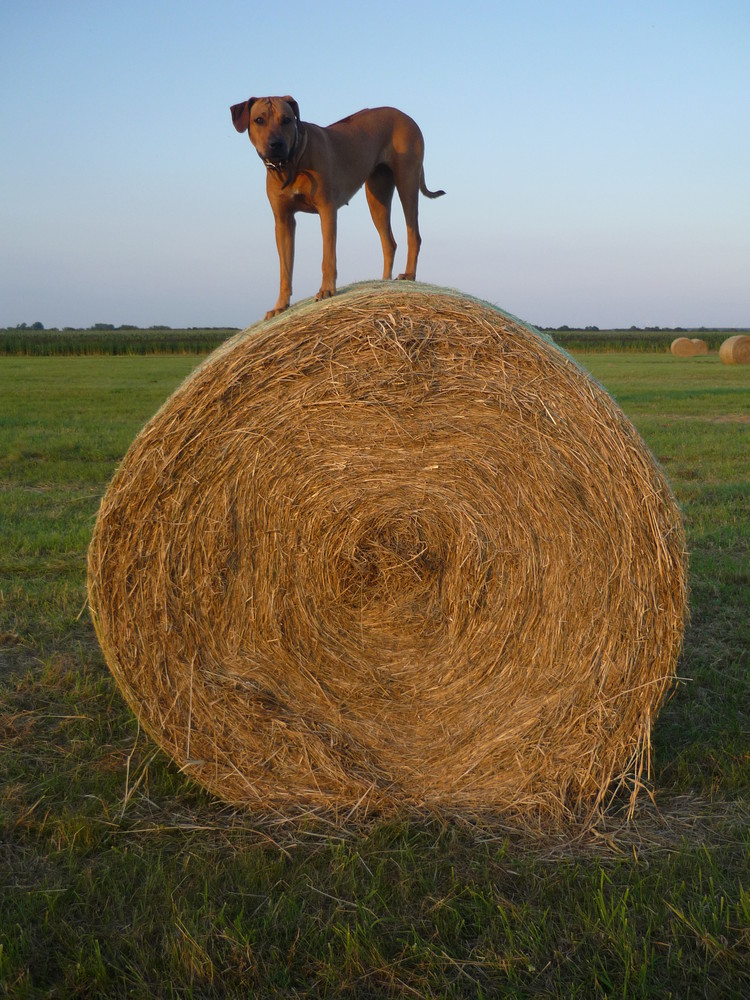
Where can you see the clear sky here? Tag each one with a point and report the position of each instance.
(595, 154)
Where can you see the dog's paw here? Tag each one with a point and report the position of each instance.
(325, 293)
(407, 277)
(275, 311)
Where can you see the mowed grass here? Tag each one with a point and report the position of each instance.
(118, 877)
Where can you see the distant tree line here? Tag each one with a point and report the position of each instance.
(635, 329)
(100, 327)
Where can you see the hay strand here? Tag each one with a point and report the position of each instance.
(393, 550)
(736, 350)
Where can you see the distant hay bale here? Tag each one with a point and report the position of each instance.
(736, 350)
(393, 550)
(683, 347)
(699, 346)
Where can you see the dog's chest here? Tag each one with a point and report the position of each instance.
(301, 202)
(302, 193)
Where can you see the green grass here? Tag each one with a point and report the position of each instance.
(120, 878)
(695, 416)
(64, 424)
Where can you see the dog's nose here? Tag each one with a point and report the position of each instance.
(277, 145)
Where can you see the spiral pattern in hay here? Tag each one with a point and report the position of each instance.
(394, 549)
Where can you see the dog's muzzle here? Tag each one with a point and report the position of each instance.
(274, 164)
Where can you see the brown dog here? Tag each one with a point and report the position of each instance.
(314, 169)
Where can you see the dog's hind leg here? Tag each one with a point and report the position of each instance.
(407, 185)
(379, 188)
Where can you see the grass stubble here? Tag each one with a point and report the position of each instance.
(120, 877)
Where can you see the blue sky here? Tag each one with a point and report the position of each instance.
(595, 155)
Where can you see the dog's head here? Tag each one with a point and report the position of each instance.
(272, 124)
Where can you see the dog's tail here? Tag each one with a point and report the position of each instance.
(423, 188)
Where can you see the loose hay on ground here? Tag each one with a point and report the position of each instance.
(736, 350)
(393, 550)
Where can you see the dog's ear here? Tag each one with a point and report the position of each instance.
(293, 104)
(241, 115)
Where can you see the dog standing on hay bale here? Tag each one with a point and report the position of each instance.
(317, 170)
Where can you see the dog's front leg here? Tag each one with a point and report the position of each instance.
(328, 229)
(285, 227)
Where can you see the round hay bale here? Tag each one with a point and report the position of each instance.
(683, 347)
(699, 346)
(736, 350)
(393, 550)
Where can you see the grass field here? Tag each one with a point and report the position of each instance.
(119, 878)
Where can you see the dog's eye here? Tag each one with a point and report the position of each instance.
(285, 120)
(260, 120)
